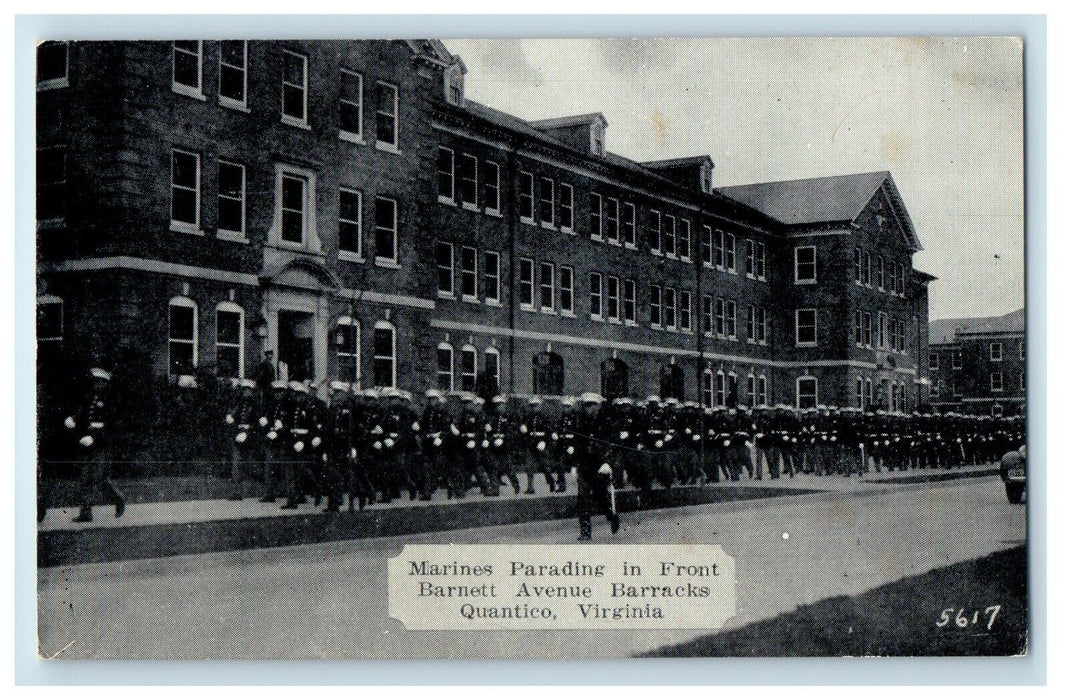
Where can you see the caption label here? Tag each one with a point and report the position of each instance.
(512, 587)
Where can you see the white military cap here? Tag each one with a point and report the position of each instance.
(406, 395)
(671, 401)
(534, 401)
(500, 398)
(653, 398)
(591, 397)
(782, 407)
(822, 407)
(690, 404)
(371, 393)
(567, 401)
(248, 383)
(279, 384)
(340, 386)
(187, 381)
(434, 394)
(390, 393)
(622, 401)
(479, 401)
(299, 386)
(468, 397)
(98, 373)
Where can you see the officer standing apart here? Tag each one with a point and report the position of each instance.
(594, 474)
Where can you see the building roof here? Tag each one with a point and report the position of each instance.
(948, 330)
(676, 162)
(573, 120)
(819, 200)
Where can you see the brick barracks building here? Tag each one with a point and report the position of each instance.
(342, 204)
(977, 365)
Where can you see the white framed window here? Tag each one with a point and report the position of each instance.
(492, 188)
(806, 392)
(567, 290)
(760, 261)
(294, 89)
(612, 299)
(670, 308)
(182, 336)
(595, 216)
(230, 339)
(469, 368)
(729, 252)
(996, 352)
(901, 280)
(567, 208)
(996, 381)
(595, 296)
(628, 225)
(547, 288)
(655, 232)
(185, 191)
(751, 324)
(387, 117)
(721, 388)
(350, 224)
(385, 366)
(347, 352)
(385, 232)
(53, 65)
(492, 365)
(881, 336)
(721, 318)
(445, 171)
(751, 258)
(49, 319)
(52, 186)
(454, 86)
(859, 393)
(443, 260)
(879, 272)
(867, 328)
(751, 389)
(444, 371)
(867, 276)
(469, 181)
(859, 266)
(668, 236)
(630, 303)
(869, 396)
(805, 264)
(546, 202)
(295, 220)
(527, 284)
(469, 273)
(893, 286)
(707, 315)
(707, 388)
(233, 74)
(351, 106)
(805, 327)
(705, 246)
(730, 318)
(492, 277)
(683, 244)
(655, 306)
(762, 389)
(684, 311)
(612, 221)
(186, 68)
(231, 202)
(526, 199)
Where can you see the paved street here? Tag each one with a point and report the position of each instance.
(329, 600)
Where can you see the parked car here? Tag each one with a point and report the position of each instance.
(1013, 473)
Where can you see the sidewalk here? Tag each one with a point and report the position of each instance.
(194, 526)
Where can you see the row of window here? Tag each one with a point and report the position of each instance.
(469, 367)
(187, 79)
(294, 208)
(890, 276)
(995, 354)
(445, 259)
(893, 396)
(722, 389)
(610, 299)
(885, 334)
(996, 384)
(463, 179)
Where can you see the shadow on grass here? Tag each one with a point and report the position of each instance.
(899, 619)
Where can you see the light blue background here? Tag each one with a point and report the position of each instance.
(30, 670)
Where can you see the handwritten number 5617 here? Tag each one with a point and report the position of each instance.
(962, 620)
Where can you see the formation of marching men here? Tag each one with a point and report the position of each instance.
(373, 446)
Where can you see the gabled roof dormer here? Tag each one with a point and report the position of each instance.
(585, 132)
(695, 172)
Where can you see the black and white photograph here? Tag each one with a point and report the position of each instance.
(531, 348)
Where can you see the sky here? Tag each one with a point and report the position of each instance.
(944, 116)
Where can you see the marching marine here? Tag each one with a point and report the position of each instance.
(244, 445)
(593, 472)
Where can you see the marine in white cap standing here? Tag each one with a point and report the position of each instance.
(87, 426)
(594, 474)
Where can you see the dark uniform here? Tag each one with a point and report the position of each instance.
(303, 437)
(87, 426)
(245, 445)
(338, 451)
(499, 446)
(535, 435)
(273, 412)
(439, 444)
(593, 472)
(472, 431)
